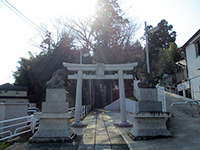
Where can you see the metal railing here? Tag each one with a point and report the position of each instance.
(188, 102)
(175, 90)
(17, 126)
(84, 111)
(14, 127)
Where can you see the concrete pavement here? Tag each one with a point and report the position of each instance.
(184, 128)
(99, 132)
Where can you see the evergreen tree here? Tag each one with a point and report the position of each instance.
(168, 59)
(161, 39)
(110, 30)
(37, 70)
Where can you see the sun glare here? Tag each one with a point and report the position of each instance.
(79, 8)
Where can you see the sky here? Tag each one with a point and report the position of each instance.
(17, 36)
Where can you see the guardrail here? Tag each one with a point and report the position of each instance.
(191, 93)
(84, 111)
(188, 102)
(17, 126)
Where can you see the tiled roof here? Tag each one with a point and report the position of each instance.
(9, 86)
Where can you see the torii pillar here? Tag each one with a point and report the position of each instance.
(78, 104)
(122, 100)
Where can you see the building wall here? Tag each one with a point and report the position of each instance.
(193, 64)
(14, 100)
(195, 88)
(10, 111)
(180, 76)
(11, 96)
(13, 93)
(2, 111)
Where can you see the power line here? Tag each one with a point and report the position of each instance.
(22, 16)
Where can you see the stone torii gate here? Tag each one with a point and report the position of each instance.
(100, 74)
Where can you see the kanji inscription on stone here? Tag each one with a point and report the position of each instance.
(100, 70)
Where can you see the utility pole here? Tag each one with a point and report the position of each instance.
(81, 53)
(147, 48)
(147, 44)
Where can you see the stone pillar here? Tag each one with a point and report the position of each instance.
(77, 122)
(55, 119)
(123, 122)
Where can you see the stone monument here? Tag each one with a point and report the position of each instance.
(55, 119)
(149, 120)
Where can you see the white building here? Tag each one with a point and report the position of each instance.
(13, 104)
(13, 101)
(13, 94)
(192, 49)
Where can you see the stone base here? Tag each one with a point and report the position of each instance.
(124, 124)
(54, 127)
(149, 106)
(147, 134)
(53, 136)
(77, 124)
(149, 126)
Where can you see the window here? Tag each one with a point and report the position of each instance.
(17, 92)
(197, 47)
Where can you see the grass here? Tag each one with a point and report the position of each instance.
(4, 144)
(20, 139)
(25, 137)
(71, 120)
(133, 98)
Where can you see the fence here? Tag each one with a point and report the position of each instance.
(17, 126)
(84, 111)
(162, 97)
(185, 92)
(14, 127)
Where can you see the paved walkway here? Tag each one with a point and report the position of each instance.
(100, 133)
